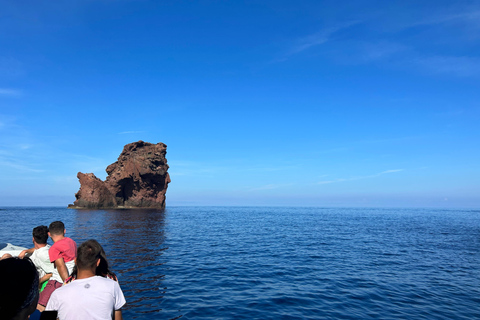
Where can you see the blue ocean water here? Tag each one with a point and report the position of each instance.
(280, 263)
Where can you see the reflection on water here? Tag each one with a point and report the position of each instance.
(134, 243)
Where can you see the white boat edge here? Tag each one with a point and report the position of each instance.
(10, 249)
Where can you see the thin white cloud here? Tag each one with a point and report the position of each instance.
(466, 17)
(271, 187)
(304, 43)
(374, 51)
(463, 66)
(187, 168)
(311, 40)
(390, 171)
(332, 181)
(360, 177)
(9, 92)
(25, 146)
(270, 169)
(19, 167)
(130, 132)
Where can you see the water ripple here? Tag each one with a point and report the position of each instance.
(280, 263)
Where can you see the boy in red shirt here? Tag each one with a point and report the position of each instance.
(62, 253)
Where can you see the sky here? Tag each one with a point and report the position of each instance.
(271, 103)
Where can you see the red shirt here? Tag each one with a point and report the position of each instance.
(65, 248)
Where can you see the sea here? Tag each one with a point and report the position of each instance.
(280, 262)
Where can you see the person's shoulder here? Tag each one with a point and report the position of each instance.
(103, 279)
(106, 281)
(43, 249)
(66, 241)
(42, 252)
(70, 241)
(73, 285)
(55, 245)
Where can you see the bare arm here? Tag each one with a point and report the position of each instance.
(62, 268)
(118, 315)
(24, 252)
(44, 278)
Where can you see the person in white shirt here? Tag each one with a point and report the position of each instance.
(89, 296)
(39, 253)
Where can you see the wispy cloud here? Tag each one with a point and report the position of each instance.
(471, 17)
(360, 177)
(381, 50)
(25, 146)
(388, 171)
(318, 38)
(184, 168)
(269, 169)
(9, 92)
(271, 187)
(462, 66)
(17, 166)
(332, 181)
(311, 40)
(130, 132)
(192, 168)
(435, 42)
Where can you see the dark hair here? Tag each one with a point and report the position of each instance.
(88, 254)
(19, 289)
(40, 234)
(56, 227)
(102, 269)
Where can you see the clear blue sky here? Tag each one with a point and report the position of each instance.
(314, 103)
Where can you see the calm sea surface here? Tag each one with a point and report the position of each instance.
(280, 263)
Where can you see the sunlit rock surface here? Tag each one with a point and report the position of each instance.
(138, 179)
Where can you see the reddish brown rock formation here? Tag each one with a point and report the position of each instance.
(139, 179)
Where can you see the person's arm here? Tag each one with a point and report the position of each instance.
(24, 252)
(44, 278)
(118, 315)
(62, 268)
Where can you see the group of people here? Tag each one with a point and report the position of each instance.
(59, 281)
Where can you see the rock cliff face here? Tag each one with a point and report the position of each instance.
(139, 179)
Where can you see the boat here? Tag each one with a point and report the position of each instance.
(10, 249)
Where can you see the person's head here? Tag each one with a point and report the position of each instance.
(19, 289)
(40, 234)
(56, 228)
(102, 268)
(88, 255)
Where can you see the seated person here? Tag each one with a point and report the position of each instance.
(39, 253)
(89, 296)
(19, 289)
(102, 269)
(62, 253)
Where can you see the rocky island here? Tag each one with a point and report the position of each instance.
(138, 179)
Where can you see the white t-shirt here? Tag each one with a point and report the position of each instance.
(41, 260)
(93, 298)
(56, 275)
